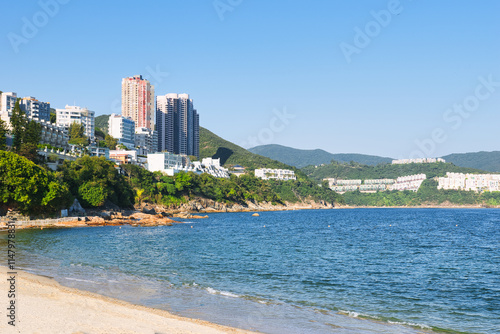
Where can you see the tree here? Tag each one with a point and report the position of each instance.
(77, 134)
(28, 187)
(110, 142)
(3, 135)
(19, 122)
(95, 180)
(53, 116)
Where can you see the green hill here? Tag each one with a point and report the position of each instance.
(489, 161)
(101, 122)
(358, 171)
(302, 158)
(215, 147)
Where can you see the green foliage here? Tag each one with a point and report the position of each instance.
(3, 135)
(77, 134)
(101, 122)
(109, 142)
(93, 193)
(99, 134)
(53, 116)
(162, 189)
(19, 122)
(94, 180)
(363, 172)
(27, 134)
(28, 187)
(489, 161)
(302, 158)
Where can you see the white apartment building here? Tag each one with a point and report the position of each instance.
(470, 182)
(212, 167)
(74, 114)
(166, 162)
(410, 182)
(417, 161)
(7, 103)
(146, 141)
(123, 129)
(35, 109)
(277, 174)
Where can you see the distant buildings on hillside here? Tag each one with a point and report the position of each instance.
(410, 182)
(470, 182)
(417, 161)
(277, 174)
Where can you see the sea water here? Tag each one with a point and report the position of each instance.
(312, 271)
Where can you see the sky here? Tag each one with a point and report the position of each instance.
(400, 79)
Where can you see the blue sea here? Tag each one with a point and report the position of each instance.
(312, 271)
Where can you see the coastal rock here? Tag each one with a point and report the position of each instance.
(255, 215)
(96, 221)
(76, 208)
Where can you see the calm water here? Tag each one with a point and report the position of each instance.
(325, 271)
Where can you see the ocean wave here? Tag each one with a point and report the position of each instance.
(80, 280)
(222, 293)
(410, 324)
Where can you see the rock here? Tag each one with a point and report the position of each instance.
(105, 215)
(96, 221)
(76, 208)
(256, 215)
(148, 209)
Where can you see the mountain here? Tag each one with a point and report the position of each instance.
(101, 122)
(215, 147)
(489, 161)
(390, 171)
(302, 158)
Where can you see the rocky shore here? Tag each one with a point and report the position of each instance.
(151, 215)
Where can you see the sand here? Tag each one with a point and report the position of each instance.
(44, 306)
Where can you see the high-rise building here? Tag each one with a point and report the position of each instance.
(123, 129)
(35, 109)
(138, 101)
(73, 114)
(177, 124)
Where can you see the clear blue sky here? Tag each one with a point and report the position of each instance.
(244, 62)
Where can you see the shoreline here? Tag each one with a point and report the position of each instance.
(163, 216)
(43, 305)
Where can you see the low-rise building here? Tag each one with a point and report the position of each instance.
(410, 182)
(277, 174)
(123, 157)
(53, 135)
(74, 114)
(123, 129)
(470, 182)
(35, 109)
(166, 162)
(417, 161)
(212, 167)
(146, 141)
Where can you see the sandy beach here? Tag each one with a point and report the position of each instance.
(44, 306)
